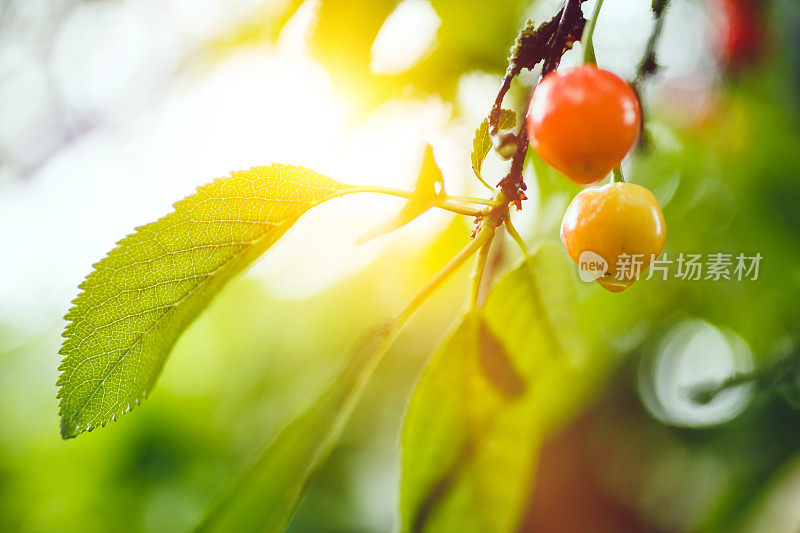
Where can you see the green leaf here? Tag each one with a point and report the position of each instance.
(428, 189)
(496, 364)
(482, 142)
(266, 496)
(140, 298)
(435, 438)
(473, 429)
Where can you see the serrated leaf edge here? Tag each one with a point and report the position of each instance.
(67, 430)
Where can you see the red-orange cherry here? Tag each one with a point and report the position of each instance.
(583, 120)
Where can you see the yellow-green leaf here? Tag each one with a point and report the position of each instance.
(428, 189)
(143, 295)
(473, 429)
(482, 142)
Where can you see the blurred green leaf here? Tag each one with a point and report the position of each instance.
(260, 26)
(428, 189)
(470, 37)
(266, 496)
(141, 297)
(342, 41)
(473, 430)
(435, 438)
(496, 365)
(482, 142)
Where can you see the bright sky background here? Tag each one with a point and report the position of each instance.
(152, 137)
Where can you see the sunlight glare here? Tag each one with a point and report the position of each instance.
(257, 106)
(408, 33)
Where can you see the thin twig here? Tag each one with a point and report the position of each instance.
(648, 64)
(486, 234)
(782, 369)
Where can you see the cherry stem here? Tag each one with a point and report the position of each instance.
(512, 231)
(471, 199)
(480, 265)
(484, 235)
(588, 32)
(618, 177)
(454, 204)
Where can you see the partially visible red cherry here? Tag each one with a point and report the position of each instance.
(738, 32)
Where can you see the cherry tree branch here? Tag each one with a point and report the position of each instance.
(777, 374)
(648, 64)
(535, 44)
